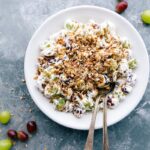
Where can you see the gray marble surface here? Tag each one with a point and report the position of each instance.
(18, 21)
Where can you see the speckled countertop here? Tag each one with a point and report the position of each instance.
(18, 21)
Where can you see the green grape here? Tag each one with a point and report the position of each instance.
(60, 105)
(5, 144)
(88, 106)
(132, 64)
(146, 16)
(5, 117)
(69, 26)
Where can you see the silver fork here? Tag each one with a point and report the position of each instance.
(105, 131)
(89, 141)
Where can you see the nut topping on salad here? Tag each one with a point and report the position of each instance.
(81, 59)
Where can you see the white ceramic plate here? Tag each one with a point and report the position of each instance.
(84, 13)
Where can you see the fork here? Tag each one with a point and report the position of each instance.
(90, 137)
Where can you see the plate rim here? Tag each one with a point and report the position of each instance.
(57, 14)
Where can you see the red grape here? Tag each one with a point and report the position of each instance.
(121, 6)
(12, 134)
(31, 126)
(22, 136)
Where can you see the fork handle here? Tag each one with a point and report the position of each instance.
(105, 132)
(89, 141)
